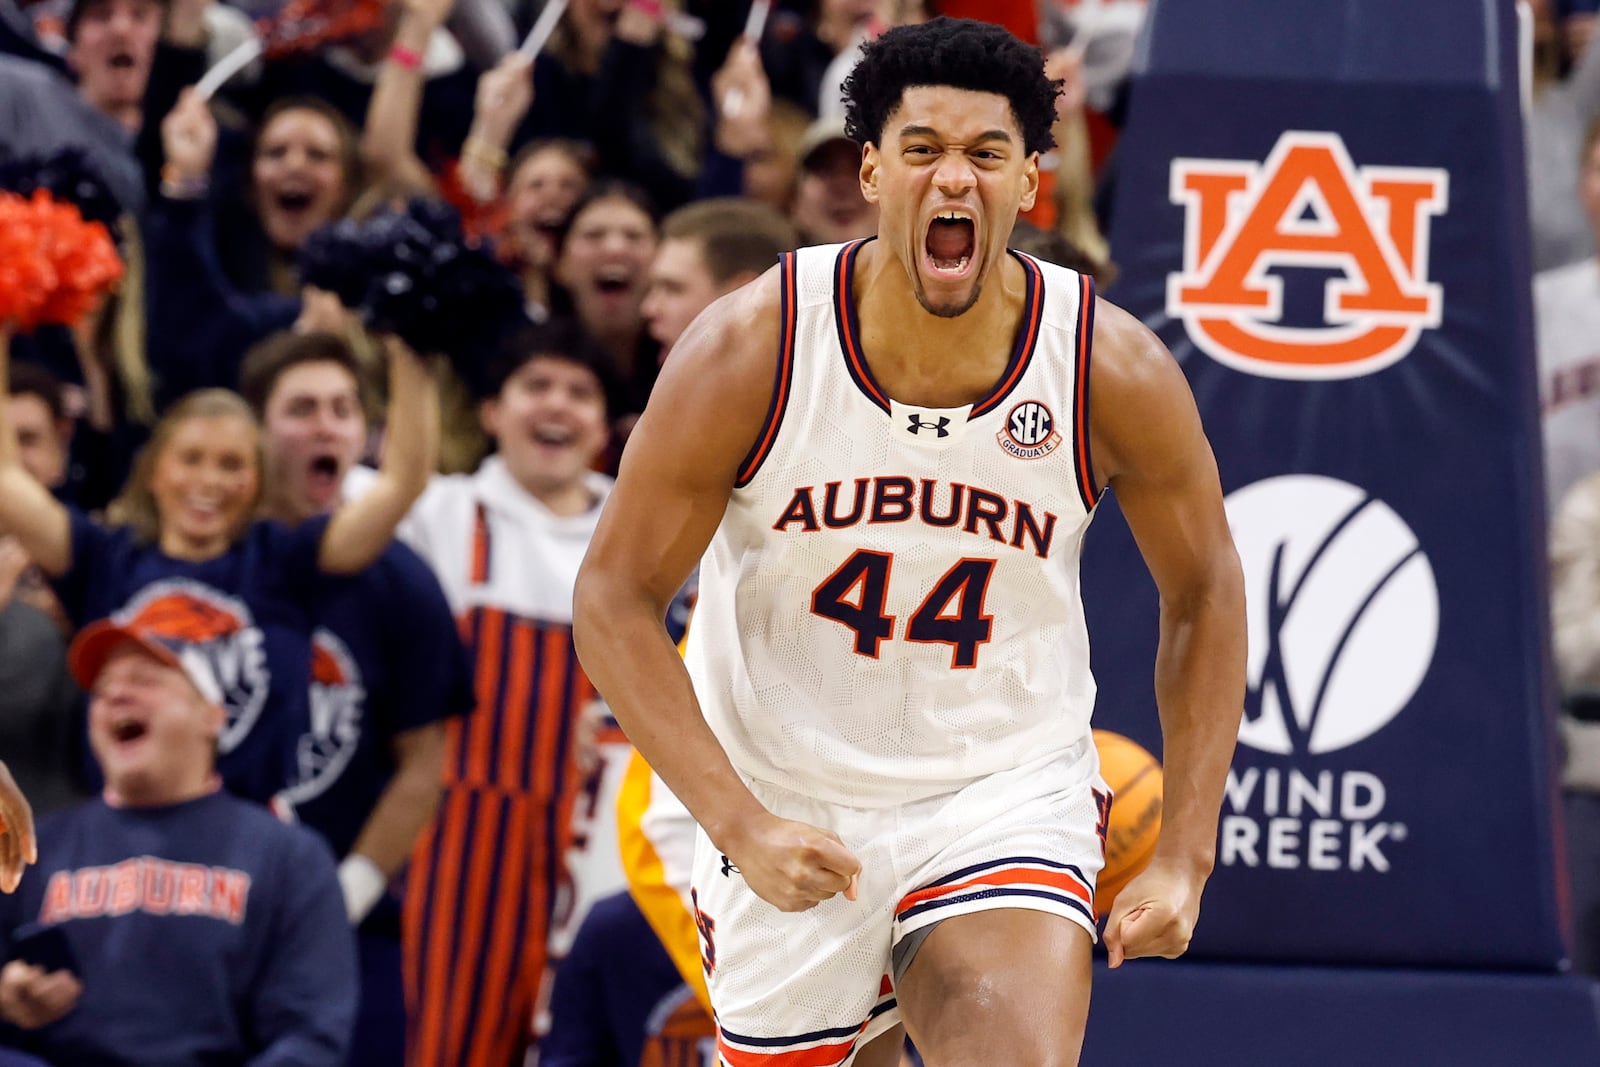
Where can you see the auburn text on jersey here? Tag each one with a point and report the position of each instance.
(894, 498)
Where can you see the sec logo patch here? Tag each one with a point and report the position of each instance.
(1029, 431)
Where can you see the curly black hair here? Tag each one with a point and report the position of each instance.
(962, 54)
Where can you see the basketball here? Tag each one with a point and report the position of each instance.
(1134, 776)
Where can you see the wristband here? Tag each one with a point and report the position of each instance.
(175, 186)
(363, 885)
(491, 156)
(405, 58)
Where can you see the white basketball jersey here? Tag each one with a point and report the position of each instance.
(890, 607)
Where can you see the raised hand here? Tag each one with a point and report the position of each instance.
(743, 99)
(504, 96)
(189, 137)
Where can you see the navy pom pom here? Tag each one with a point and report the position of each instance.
(69, 176)
(413, 273)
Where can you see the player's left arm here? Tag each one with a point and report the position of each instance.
(1147, 444)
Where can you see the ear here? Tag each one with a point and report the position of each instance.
(1030, 182)
(871, 163)
(489, 416)
(64, 428)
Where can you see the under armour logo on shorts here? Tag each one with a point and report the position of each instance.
(728, 867)
(938, 426)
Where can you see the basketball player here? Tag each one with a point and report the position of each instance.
(888, 454)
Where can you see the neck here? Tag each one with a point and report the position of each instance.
(561, 498)
(283, 507)
(127, 113)
(177, 546)
(191, 786)
(620, 338)
(536, 286)
(885, 294)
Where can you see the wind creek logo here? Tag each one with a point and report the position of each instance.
(1343, 618)
(1029, 431)
(916, 424)
(1306, 206)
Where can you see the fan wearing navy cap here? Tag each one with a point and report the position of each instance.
(167, 922)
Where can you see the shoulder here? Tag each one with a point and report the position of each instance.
(293, 847)
(400, 563)
(1127, 356)
(446, 496)
(745, 320)
(728, 355)
(1141, 412)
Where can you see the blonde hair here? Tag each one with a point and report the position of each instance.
(118, 342)
(135, 507)
(1074, 192)
(677, 111)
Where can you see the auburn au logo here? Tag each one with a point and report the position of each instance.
(1307, 206)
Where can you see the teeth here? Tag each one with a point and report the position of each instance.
(952, 216)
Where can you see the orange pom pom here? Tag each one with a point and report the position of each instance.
(54, 267)
(26, 273)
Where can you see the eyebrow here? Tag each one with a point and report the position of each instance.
(929, 131)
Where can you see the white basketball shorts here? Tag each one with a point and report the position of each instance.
(812, 987)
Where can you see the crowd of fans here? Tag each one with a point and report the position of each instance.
(365, 559)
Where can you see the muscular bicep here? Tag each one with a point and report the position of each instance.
(1150, 448)
(705, 413)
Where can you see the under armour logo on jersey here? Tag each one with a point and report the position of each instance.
(728, 866)
(940, 426)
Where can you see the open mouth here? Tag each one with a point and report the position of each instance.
(552, 437)
(294, 202)
(127, 731)
(324, 472)
(202, 508)
(614, 281)
(952, 238)
(121, 61)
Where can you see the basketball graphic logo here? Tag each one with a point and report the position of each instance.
(1029, 431)
(337, 699)
(217, 627)
(1306, 210)
(1342, 610)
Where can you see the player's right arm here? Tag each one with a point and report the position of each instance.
(677, 474)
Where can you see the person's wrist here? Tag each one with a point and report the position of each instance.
(404, 56)
(363, 885)
(484, 154)
(492, 130)
(736, 139)
(184, 183)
